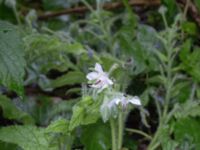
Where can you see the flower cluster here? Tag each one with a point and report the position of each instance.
(98, 79)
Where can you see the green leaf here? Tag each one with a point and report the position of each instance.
(183, 86)
(12, 61)
(27, 137)
(190, 28)
(96, 137)
(190, 60)
(10, 111)
(188, 109)
(188, 127)
(72, 77)
(197, 2)
(157, 79)
(50, 52)
(75, 48)
(58, 126)
(161, 56)
(8, 146)
(171, 9)
(166, 141)
(85, 112)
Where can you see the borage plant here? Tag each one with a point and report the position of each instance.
(115, 105)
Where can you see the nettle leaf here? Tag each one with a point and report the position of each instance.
(96, 136)
(59, 134)
(27, 137)
(85, 112)
(58, 126)
(188, 128)
(10, 111)
(12, 62)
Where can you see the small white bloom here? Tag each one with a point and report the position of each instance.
(125, 101)
(99, 78)
(162, 10)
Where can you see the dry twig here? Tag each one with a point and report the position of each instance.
(106, 6)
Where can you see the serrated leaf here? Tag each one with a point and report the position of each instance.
(166, 141)
(85, 112)
(183, 86)
(188, 127)
(58, 126)
(96, 137)
(12, 61)
(27, 137)
(10, 111)
(190, 60)
(188, 109)
(50, 52)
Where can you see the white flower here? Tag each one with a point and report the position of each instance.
(124, 101)
(111, 101)
(99, 78)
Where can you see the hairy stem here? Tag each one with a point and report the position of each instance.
(139, 132)
(113, 134)
(120, 129)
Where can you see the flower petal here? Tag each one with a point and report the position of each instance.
(98, 68)
(117, 101)
(110, 81)
(135, 101)
(92, 76)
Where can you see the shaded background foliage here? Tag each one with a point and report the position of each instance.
(43, 62)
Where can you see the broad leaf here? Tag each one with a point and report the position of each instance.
(12, 61)
(10, 111)
(59, 126)
(27, 137)
(85, 112)
(73, 77)
(96, 137)
(50, 52)
(7, 146)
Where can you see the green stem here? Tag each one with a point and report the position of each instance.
(113, 134)
(154, 142)
(139, 132)
(120, 129)
(16, 15)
